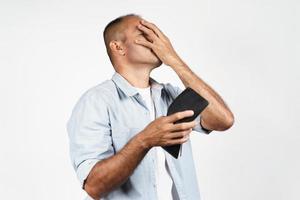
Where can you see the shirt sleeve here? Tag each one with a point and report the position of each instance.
(175, 91)
(89, 134)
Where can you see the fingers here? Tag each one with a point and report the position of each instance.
(144, 43)
(152, 26)
(183, 126)
(148, 32)
(179, 134)
(179, 115)
(178, 141)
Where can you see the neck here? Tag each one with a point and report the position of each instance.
(137, 78)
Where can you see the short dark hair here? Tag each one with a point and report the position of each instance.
(108, 28)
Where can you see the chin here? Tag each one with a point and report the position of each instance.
(156, 60)
(157, 64)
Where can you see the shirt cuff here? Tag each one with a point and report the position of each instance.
(199, 127)
(84, 169)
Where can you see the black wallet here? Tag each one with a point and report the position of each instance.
(186, 100)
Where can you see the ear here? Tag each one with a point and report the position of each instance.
(117, 47)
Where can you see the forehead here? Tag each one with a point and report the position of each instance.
(131, 23)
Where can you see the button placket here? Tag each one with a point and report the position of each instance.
(176, 178)
(154, 164)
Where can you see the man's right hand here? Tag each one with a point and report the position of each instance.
(163, 132)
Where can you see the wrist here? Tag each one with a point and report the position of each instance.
(177, 64)
(142, 140)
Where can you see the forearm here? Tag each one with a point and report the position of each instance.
(115, 170)
(217, 114)
(190, 79)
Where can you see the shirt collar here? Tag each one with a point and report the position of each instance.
(128, 89)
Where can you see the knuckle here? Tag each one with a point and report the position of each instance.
(181, 126)
(159, 126)
(178, 116)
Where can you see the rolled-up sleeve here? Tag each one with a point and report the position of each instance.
(175, 91)
(89, 134)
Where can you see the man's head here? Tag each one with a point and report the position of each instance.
(119, 36)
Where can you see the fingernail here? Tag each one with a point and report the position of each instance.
(192, 112)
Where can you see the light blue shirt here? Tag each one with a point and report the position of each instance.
(106, 117)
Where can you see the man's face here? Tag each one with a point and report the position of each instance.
(136, 53)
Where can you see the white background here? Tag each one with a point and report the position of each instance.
(247, 50)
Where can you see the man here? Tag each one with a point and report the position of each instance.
(118, 127)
